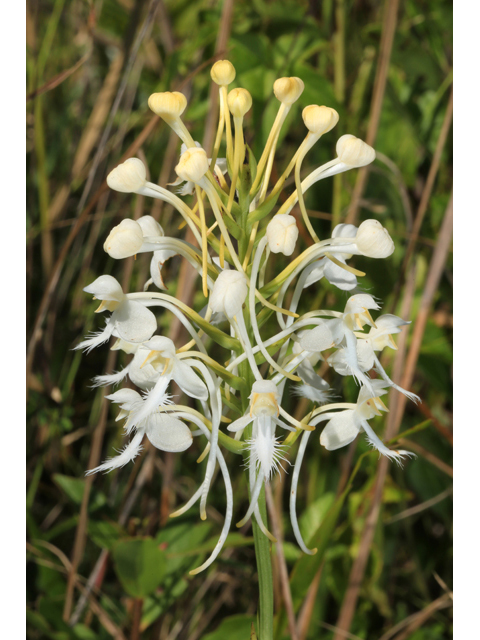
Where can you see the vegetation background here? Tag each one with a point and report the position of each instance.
(104, 560)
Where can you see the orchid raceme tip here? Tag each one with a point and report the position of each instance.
(254, 338)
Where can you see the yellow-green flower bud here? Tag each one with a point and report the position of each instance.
(354, 152)
(169, 104)
(223, 72)
(319, 120)
(193, 165)
(239, 102)
(288, 90)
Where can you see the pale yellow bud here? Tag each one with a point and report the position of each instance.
(319, 120)
(373, 240)
(239, 102)
(354, 152)
(288, 90)
(223, 72)
(128, 177)
(193, 165)
(282, 234)
(169, 104)
(124, 240)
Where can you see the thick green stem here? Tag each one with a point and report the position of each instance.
(265, 578)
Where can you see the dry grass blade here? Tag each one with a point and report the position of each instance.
(59, 78)
(386, 44)
(428, 455)
(416, 620)
(418, 508)
(81, 531)
(282, 564)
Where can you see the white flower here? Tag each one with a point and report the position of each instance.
(130, 320)
(228, 293)
(337, 276)
(168, 367)
(339, 332)
(164, 431)
(265, 451)
(343, 427)
(282, 234)
(314, 387)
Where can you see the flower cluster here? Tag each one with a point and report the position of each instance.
(241, 392)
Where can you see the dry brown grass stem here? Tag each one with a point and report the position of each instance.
(93, 461)
(59, 78)
(97, 609)
(282, 564)
(308, 606)
(96, 576)
(433, 278)
(416, 620)
(386, 44)
(426, 193)
(418, 508)
(428, 455)
(435, 271)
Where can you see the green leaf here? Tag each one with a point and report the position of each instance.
(74, 488)
(104, 533)
(234, 628)
(140, 565)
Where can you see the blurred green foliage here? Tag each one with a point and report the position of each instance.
(148, 557)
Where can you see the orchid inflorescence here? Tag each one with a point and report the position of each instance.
(243, 391)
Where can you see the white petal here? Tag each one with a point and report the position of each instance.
(324, 336)
(315, 272)
(134, 322)
(168, 433)
(106, 288)
(188, 381)
(340, 431)
(241, 423)
(339, 277)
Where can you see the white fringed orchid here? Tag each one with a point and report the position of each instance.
(130, 320)
(165, 432)
(241, 234)
(344, 426)
(265, 450)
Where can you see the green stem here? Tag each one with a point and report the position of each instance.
(265, 577)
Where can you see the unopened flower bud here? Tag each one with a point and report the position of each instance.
(282, 234)
(150, 226)
(223, 72)
(239, 102)
(319, 120)
(169, 104)
(193, 165)
(373, 240)
(354, 152)
(128, 177)
(288, 90)
(124, 240)
(229, 293)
